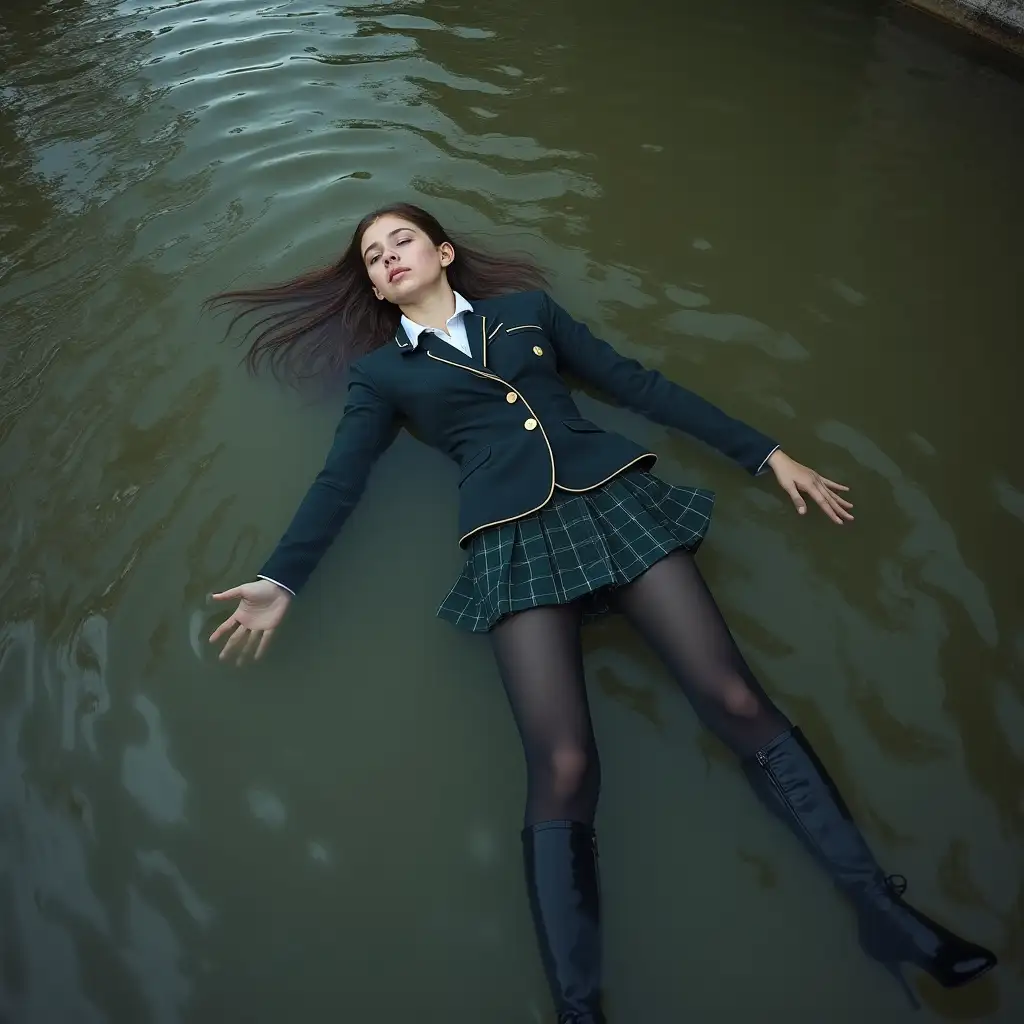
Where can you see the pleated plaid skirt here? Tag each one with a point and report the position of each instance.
(577, 547)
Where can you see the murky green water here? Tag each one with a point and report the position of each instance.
(809, 212)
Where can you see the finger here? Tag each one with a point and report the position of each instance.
(833, 484)
(250, 645)
(228, 624)
(837, 505)
(227, 595)
(236, 640)
(842, 501)
(798, 501)
(820, 496)
(267, 634)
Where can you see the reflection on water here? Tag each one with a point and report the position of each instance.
(806, 212)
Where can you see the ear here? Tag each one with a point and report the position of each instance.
(447, 251)
(377, 293)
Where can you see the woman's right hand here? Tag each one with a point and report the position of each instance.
(261, 607)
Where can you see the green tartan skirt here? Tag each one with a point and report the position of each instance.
(577, 547)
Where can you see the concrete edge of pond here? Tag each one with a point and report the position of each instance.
(998, 22)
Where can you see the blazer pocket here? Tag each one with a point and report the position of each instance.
(524, 327)
(475, 463)
(582, 426)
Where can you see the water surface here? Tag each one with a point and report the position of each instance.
(810, 213)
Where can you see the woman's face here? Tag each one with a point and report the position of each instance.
(402, 261)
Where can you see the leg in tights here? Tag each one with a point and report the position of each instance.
(673, 609)
(671, 606)
(541, 665)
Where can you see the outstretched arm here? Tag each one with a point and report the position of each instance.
(653, 395)
(367, 428)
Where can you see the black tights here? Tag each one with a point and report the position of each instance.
(541, 664)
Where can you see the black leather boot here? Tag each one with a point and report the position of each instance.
(562, 883)
(791, 779)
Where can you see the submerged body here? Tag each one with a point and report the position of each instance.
(560, 520)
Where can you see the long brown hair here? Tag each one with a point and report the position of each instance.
(313, 326)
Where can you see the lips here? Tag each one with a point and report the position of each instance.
(394, 273)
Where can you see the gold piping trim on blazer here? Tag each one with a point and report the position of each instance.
(592, 487)
(494, 332)
(543, 433)
(524, 327)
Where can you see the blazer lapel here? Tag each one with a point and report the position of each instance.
(476, 334)
(476, 326)
(428, 342)
(438, 348)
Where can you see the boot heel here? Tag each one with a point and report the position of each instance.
(885, 950)
(791, 779)
(895, 968)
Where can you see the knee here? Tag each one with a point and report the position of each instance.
(573, 771)
(739, 700)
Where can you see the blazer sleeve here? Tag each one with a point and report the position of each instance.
(650, 393)
(366, 429)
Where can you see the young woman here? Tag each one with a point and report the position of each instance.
(561, 520)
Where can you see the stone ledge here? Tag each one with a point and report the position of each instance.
(998, 21)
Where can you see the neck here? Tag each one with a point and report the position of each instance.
(434, 309)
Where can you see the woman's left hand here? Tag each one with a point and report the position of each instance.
(796, 480)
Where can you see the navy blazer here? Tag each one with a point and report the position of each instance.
(506, 417)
